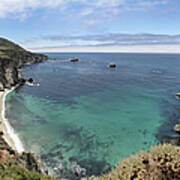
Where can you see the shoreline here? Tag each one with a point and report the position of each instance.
(8, 132)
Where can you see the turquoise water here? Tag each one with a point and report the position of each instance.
(84, 117)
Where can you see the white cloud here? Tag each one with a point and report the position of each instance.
(86, 12)
(21, 8)
(107, 3)
(118, 39)
(123, 49)
(152, 3)
(90, 21)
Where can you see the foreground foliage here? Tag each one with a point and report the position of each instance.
(161, 163)
(14, 172)
(15, 166)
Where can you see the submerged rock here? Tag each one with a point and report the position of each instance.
(74, 60)
(177, 128)
(112, 65)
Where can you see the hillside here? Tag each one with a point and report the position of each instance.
(12, 51)
(13, 57)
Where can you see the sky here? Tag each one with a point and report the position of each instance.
(92, 25)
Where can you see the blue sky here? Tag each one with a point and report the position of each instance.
(73, 25)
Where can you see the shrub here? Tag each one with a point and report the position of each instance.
(18, 173)
(161, 163)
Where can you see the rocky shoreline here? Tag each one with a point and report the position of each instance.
(25, 160)
(12, 59)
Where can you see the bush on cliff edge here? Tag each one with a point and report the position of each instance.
(161, 163)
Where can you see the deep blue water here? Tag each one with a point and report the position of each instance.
(85, 115)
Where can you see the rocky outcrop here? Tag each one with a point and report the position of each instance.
(112, 65)
(177, 128)
(25, 160)
(177, 95)
(74, 60)
(19, 166)
(31, 162)
(12, 58)
(9, 74)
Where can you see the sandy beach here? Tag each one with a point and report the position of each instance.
(9, 135)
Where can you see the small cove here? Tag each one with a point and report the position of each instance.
(87, 116)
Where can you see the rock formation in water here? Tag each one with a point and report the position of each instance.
(74, 59)
(12, 58)
(177, 128)
(112, 65)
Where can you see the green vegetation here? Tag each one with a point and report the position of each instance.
(14, 166)
(9, 49)
(161, 163)
(12, 51)
(13, 57)
(13, 172)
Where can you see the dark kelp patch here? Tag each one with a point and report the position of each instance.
(79, 154)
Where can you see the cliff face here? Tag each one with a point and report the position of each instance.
(12, 164)
(18, 166)
(12, 58)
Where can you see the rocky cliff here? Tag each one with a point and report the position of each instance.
(12, 164)
(12, 58)
(19, 166)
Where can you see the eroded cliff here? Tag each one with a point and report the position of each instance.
(12, 58)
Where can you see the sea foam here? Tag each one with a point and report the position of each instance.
(10, 136)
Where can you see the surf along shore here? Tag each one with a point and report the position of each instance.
(15, 163)
(8, 132)
(12, 153)
(12, 59)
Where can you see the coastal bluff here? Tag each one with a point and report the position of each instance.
(14, 165)
(17, 166)
(12, 58)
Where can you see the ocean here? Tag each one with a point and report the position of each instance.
(84, 117)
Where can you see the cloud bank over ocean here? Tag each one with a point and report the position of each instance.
(113, 49)
(114, 43)
(91, 24)
(119, 39)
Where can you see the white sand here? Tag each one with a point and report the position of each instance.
(9, 135)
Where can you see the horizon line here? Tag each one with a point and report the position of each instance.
(160, 49)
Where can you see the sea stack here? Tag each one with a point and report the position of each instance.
(74, 59)
(30, 80)
(178, 95)
(177, 128)
(112, 65)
